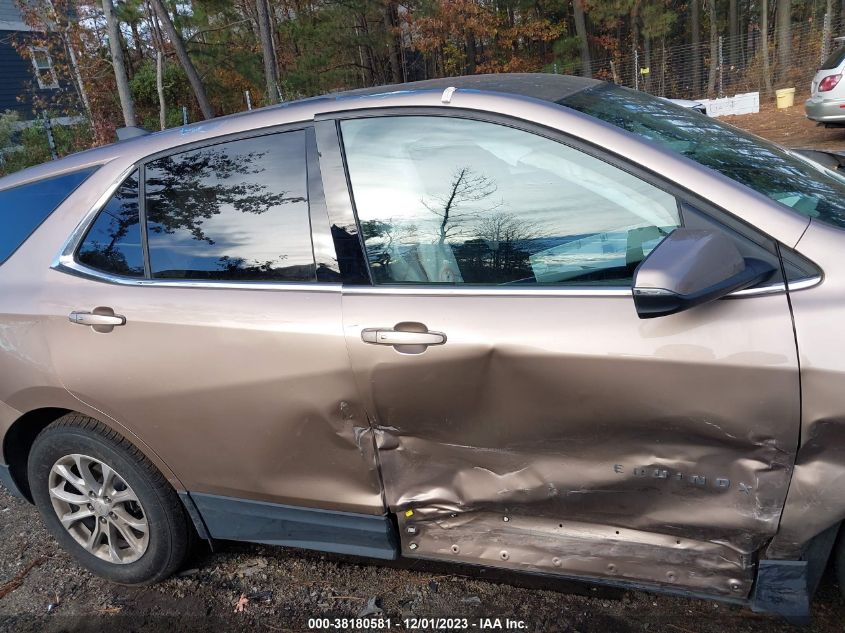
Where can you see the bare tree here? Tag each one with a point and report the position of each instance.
(184, 60)
(581, 32)
(271, 77)
(393, 43)
(733, 32)
(119, 65)
(714, 48)
(466, 187)
(695, 48)
(764, 40)
(162, 106)
(784, 39)
(503, 231)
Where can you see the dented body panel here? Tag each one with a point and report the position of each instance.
(816, 497)
(572, 410)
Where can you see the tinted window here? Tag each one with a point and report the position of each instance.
(444, 200)
(834, 59)
(24, 208)
(784, 176)
(113, 243)
(234, 211)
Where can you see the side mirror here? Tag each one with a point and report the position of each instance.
(691, 267)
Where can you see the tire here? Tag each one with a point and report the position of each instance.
(839, 561)
(134, 530)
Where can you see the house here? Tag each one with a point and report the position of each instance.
(22, 77)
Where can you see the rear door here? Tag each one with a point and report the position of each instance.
(525, 416)
(222, 348)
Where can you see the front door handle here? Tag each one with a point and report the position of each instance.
(100, 319)
(380, 336)
(405, 337)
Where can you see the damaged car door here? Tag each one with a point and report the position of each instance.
(524, 415)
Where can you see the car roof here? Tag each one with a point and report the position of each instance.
(544, 87)
(541, 86)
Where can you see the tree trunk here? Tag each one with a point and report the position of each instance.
(695, 48)
(784, 39)
(162, 107)
(764, 44)
(471, 54)
(583, 43)
(184, 60)
(733, 32)
(119, 68)
(714, 48)
(393, 43)
(270, 76)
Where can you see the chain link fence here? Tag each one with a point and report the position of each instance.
(733, 65)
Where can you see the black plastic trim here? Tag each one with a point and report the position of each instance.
(194, 513)
(229, 518)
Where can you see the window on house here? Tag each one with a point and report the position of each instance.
(45, 74)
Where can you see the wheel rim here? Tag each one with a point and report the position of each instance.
(99, 509)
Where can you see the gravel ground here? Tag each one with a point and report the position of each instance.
(790, 127)
(287, 587)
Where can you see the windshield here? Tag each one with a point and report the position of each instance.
(783, 176)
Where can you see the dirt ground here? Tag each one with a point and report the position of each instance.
(43, 589)
(789, 127)
(286, 587)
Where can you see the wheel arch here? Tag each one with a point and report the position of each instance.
(20, 436)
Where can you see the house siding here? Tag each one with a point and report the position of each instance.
(16, 75)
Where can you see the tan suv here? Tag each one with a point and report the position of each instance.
(534, 322)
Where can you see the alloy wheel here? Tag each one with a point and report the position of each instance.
(98, 509)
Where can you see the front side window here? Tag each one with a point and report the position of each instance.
(454, 201)
(113, 243)
(235, 211)
(25, 207)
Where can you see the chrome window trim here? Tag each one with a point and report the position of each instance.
(549, 291)
(66, 263)
(65, 257)
(73, 267)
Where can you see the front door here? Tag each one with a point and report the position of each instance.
(525, 416)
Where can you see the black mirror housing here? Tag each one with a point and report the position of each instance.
(692, 267)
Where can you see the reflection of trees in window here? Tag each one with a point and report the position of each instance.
(467, 187)
(104, 247)
(184, 190)
(489, 245)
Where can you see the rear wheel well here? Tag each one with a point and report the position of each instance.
(19, 439)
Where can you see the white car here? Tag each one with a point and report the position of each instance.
(827, 92)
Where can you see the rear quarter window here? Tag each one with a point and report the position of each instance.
(25, 207)
(835, 58)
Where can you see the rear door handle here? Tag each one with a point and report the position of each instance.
(101, 319)
(380, 336)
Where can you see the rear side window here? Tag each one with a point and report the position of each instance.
(113, 243)
(24, 208)
(235, 211)
(835, 58)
